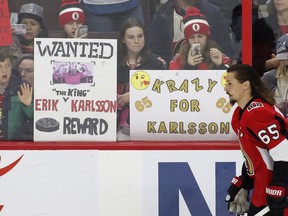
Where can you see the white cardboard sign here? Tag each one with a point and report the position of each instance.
(179, 105)
(75, 89)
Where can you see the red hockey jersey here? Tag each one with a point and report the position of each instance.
(262, 133)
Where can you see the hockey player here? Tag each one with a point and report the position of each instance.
(262, 133)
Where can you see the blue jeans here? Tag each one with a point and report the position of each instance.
(111, 22)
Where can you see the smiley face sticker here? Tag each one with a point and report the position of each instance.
(140, 80)
(224, 79)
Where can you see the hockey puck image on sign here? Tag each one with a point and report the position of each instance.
(47, 125)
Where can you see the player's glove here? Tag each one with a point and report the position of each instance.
(237, 196)
(277, 198)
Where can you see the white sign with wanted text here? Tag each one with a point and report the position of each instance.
(75, 89)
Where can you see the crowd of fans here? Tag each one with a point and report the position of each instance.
(182, 35)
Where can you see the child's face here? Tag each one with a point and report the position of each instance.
(70, 28)
(134, 39)
(33, 28)
(5, 72)
(198, 38)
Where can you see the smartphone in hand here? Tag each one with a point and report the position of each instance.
(83, 30)
(18, 28)
(196, 49)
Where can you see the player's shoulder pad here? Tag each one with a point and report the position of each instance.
(255, 105)
(256, 110)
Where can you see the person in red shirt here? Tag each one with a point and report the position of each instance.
(208, 56)
(262, 133)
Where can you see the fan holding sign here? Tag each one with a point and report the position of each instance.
(133, 54)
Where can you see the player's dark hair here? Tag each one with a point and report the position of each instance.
(246, 72)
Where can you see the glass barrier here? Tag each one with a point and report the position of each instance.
(171, 35)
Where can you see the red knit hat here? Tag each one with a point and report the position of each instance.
(195, 22)
(70, 10)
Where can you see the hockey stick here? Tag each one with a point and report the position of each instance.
(263, 211)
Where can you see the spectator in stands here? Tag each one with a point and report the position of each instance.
(16, 47)
(32, 16)
(236, 28)
(16, 104)
(107, 16)
(166, 29)
(226, 7)
(133, 54)
(265, 33)
(25, 68)
(71, 18)
(277, 78)
(198, 51)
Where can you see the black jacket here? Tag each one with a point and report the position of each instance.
(265, 33)
(151, 63)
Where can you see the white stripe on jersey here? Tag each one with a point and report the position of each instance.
(266, 158)
(280, 152)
